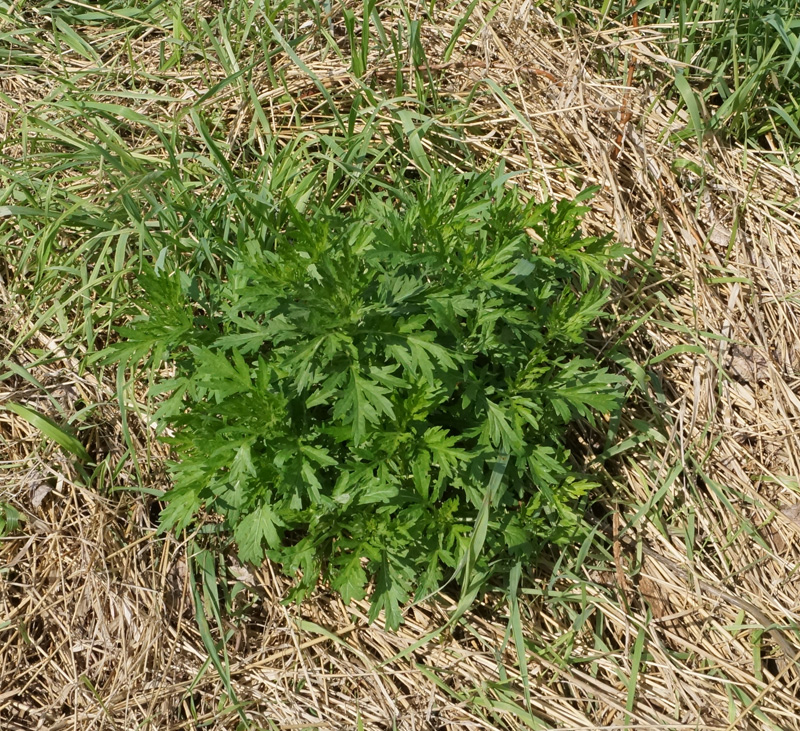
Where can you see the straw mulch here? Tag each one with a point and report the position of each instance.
(690, 626)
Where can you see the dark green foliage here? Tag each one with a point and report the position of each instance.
(347, 379)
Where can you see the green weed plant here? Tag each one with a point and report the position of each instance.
(360, 389)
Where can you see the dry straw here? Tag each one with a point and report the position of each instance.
(694, 626)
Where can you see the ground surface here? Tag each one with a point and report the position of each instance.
(687, 619)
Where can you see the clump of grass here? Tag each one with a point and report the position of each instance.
(739, 70)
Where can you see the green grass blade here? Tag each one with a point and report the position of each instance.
(515, 621)
(311, 75)
(458, 30)
(206, 594)
(636, 663)
(50, 429)
(690, 100)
